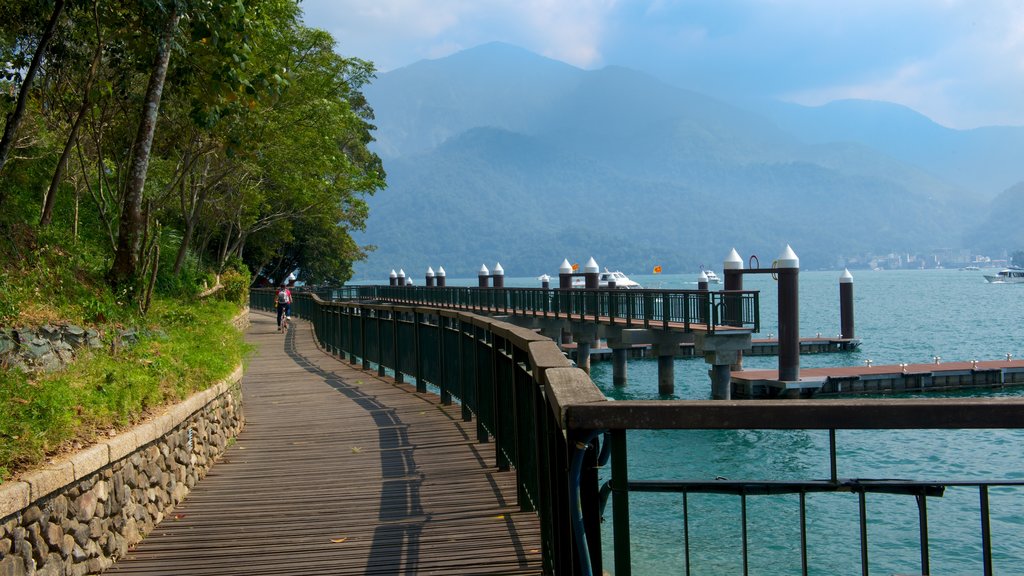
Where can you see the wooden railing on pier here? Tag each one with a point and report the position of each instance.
(553, 426)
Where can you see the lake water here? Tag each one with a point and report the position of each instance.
(901, 316)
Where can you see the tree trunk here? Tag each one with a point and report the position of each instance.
(129, 237)
(15, 117)
(58, 172)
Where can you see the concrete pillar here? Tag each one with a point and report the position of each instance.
(583, 355)
(400, 281)
(846, 305)
(732, 270)
(393, 278)
(788, 266)
(666, 373)
(619, 366)
(565, 275)
(721, 382)
(429, 279)
(591, 274)
(439, 277)
(498, 276)
(483, 276)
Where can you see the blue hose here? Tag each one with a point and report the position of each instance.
(575, 508)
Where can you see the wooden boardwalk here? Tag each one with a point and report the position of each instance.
(339, 471)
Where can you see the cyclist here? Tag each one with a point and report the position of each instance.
(283, 303)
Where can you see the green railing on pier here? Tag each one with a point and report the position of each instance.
(548, 422)
(685, 310)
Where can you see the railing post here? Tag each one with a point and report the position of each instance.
(421, 384)
(620, 503)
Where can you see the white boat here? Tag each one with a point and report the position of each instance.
(604, 278)
(712, 277)
(970, 269)
(1007, 276)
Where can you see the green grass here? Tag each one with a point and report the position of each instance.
(187, 345)
(99, 392)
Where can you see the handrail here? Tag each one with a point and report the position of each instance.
(683, 310)
(537, 408)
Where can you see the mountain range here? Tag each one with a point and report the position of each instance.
(496, 154)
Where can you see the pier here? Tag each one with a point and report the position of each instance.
(389, 438)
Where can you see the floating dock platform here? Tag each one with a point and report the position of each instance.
(760, 347)
(889, 379)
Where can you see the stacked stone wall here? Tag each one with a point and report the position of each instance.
(78, 515)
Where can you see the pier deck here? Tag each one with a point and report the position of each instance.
(339, 471)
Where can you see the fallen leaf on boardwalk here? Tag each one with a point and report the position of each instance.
(338, 540)
(179, 516)
(422, 413)
(499, 517)
(356, 449)
(359, 381)
(534, 551)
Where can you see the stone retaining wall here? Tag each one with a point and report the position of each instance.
(76, 516)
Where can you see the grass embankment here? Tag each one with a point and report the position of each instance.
(185, 345)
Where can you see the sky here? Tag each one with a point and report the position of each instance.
(959, 62)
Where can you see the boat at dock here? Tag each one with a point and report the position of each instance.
(1007, 276)
(607, 277)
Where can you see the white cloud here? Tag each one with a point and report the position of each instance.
(381, 29)
(961, 62)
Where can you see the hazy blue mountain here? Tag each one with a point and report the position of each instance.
(496, 154)
(984, 161)
(1001, 228)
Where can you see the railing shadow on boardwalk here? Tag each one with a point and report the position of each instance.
(423, 521)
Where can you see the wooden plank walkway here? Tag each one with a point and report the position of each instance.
(339, 471)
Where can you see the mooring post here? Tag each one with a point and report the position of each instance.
(498, 276)
(393, 278)
(429, 280)
(591, 274)
(400, 280)
(545, 281)
(702, 285)
(846, 305)
(439, 277)
(732, 270)
(565, 275)
(619, 366)
(483, 276)
(788, 266)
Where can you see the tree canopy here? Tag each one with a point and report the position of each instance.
(176, 133)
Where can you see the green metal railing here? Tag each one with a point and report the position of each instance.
(685, 310)
(543, 415)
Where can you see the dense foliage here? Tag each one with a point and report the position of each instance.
(175, 135)
(152, 150)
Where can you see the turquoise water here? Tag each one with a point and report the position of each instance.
(901, 316)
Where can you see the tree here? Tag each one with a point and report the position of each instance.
(129, 240)
(13, 120)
